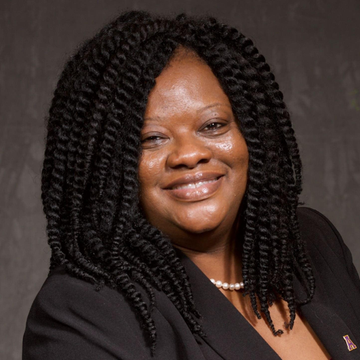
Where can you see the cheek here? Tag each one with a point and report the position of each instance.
(234, 152)
(150, 174)
(225, 147)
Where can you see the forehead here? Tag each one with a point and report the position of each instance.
(186, 84)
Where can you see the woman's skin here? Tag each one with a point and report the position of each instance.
(190, 133)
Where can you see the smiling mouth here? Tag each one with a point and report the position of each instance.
(195, 191)
(194, 185)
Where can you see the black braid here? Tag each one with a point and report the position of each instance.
(90, 187)
(265, 92)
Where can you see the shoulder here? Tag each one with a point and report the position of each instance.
(324, 243)
(317, 230)
(317, 226)
(62, 294)
(69, 316)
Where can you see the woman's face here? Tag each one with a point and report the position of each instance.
(194, 161)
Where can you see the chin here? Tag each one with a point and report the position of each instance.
(199, 221)
(199, 231)
(200, 228)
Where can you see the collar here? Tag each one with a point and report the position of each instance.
(229, 333)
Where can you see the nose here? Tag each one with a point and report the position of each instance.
(188, 152)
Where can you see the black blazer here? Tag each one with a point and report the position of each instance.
(69, 320)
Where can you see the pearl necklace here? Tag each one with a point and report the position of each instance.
(226, 286)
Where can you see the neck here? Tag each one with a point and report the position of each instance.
(222, 262)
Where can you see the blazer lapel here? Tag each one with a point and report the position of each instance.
(329, 322)
(231, 336)
(228, 333)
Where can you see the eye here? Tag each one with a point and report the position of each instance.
(213, 126)
(150, 141)
(151, 138)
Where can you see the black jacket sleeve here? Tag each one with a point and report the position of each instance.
(338, 246)
(70, 320)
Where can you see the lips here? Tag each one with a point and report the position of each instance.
(192, 179)
(192, 187)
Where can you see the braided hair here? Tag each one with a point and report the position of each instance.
(95, 225)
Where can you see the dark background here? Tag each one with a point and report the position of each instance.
(312, 45)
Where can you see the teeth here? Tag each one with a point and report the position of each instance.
(194, 185)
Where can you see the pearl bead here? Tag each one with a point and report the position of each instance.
(227, 286)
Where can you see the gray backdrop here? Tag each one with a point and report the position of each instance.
(313, 45)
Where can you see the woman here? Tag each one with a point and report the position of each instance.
(170, 184)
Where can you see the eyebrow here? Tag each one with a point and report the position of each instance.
(158, 118)
(213, 105)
